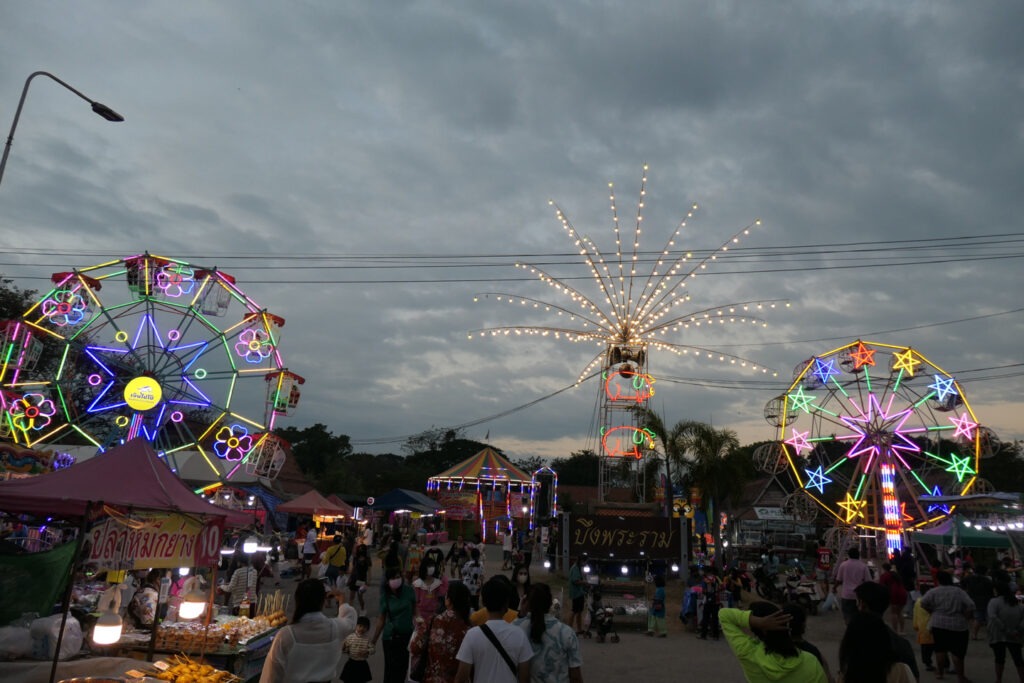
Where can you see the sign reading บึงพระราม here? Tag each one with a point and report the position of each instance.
(626, 537)
(154, 539)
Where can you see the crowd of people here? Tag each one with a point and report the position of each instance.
(441, 617)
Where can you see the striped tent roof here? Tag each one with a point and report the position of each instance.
(487, 465)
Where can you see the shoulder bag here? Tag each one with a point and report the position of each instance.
(501, 650)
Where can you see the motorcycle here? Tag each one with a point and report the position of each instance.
(789, 586)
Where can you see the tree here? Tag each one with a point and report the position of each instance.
(316, 448)
(579, 469)
(529, 465)
(716, 469)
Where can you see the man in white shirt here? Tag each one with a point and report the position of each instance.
(479, 658)
(308, 552)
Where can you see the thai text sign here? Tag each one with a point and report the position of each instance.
(159, 540)
(626, 537)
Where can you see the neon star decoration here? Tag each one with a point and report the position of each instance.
(824, 370)
(232, 443)
(943, 386)
(799, 442)
(862, 356)
(854, 508)
(941, 507)
(800, 400)
(817, 479)
(904, 360)
(884, 434)
(961, 467)
(964, 427)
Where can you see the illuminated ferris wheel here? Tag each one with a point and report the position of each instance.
(866, 429)
(152, 347)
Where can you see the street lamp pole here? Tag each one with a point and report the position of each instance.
(98, 107)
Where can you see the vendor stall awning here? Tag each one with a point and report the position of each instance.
(129, 476)
(404, 499)
(312, 503)
(955, 532)
(486, 465)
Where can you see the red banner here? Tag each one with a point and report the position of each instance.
(458, 505)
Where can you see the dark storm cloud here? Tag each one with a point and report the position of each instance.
(444, 128)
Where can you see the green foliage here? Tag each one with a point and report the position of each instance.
(14, 301)
(579, 469)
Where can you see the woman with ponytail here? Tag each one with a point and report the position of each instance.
(556, 649)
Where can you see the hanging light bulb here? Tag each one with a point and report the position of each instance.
(250, 544)
(107, 630)
(193, 604)
(547, 564)
(675, 567)
(625, 570)
(184, 571)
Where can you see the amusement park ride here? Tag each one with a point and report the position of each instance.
(637, 314)
(153, 347)
(863, 432)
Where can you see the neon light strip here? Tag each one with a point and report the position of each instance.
(891, 509)
(860, 485)
(245, 419)
(899, 378)
(867, 378)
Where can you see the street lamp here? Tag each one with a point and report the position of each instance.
(98, 107)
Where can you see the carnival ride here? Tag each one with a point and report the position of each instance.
(864, 431)
(154, 347)
(638, 312)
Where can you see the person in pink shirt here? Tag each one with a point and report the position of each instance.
(851, 573)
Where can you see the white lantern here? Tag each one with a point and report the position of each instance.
(193, 602)
(107, 630)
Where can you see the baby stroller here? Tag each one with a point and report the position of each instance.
(602, 618)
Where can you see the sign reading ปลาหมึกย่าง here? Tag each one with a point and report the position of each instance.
(153, 539)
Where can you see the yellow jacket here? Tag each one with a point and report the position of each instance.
(921, 616)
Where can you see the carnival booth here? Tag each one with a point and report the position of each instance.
(485, 494)
(131, 512)
(405, 510)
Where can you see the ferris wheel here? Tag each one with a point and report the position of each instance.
(152, 347)
(866, 429)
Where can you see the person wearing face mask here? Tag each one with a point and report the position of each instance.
(521, 580)
(395, 624)
(431, 587)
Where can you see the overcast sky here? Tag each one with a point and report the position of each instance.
(442, 129)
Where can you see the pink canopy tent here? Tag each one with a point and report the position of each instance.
(129, 476)
(312, 503)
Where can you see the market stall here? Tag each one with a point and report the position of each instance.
(131, 512)
(405, 510)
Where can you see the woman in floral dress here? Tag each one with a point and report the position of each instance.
(444, 633)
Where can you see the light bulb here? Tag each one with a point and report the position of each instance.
(675, 567)
(249, 545)
(586, 569)
(625, 569)
(547, 564)
(107, 630)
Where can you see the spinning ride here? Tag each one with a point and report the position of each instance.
(867, 428)
(153, 347)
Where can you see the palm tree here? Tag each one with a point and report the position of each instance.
(704, 457)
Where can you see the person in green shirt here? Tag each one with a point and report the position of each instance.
(767, 653)
(397, 608)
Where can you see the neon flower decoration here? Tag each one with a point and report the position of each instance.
(232, 443)
(65, 307)
(254, 345)
(621, 442)
(176, 280)
(628, 386)
(32, 412)
(879, 431)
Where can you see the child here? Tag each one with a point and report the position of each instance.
(656, 616)
(924, 635)
(358, 647)
(709, 619)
